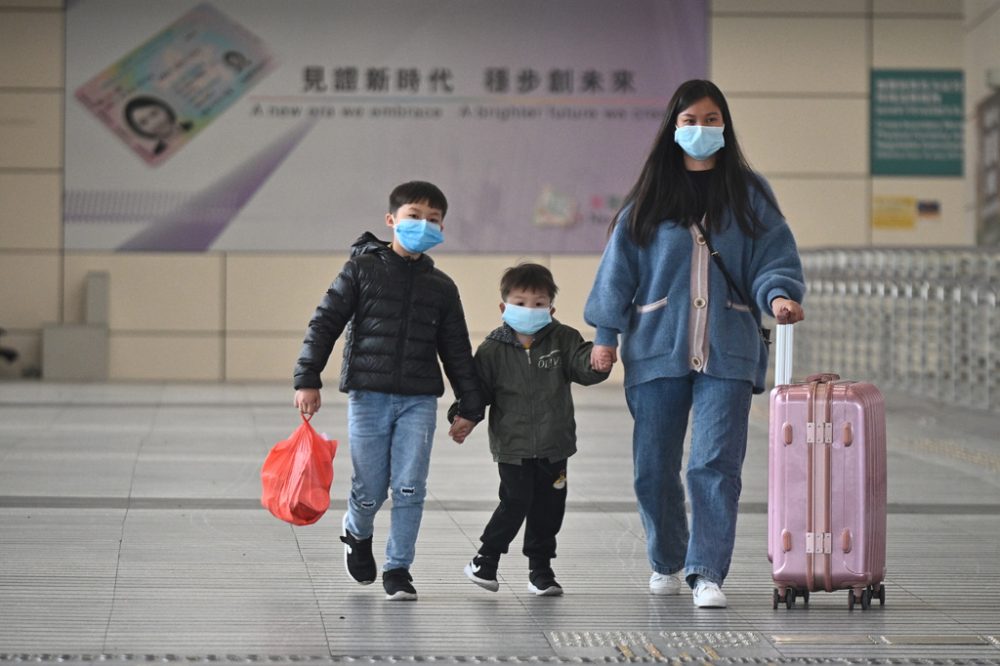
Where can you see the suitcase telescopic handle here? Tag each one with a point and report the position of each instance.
(783, 354)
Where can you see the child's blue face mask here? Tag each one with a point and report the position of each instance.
(418, 236)
(526, 321)
(700, 141)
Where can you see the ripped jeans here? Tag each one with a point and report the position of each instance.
(390, 438)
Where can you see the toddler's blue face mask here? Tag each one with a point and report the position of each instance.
(700, 141)
(526, 321)
(418, 236)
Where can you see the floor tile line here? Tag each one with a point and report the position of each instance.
(312, 589)
(121, 539)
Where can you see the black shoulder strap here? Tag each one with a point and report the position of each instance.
(722, 267)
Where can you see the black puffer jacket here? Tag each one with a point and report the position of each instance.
(400, 314)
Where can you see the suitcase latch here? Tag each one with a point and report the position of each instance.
(819, 542)
(821, 433)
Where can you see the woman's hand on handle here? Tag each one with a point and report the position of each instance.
(787, 311)
(602, 358)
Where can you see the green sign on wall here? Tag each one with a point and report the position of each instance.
(916, 122)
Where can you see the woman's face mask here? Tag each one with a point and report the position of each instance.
(700, 129)
(700, 141)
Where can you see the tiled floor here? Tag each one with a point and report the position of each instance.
(130, 530)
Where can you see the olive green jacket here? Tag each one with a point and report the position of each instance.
(528, 391)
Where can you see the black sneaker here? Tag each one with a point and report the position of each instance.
(543, 583)
(482, 571)
(358, 556)
(397, 585)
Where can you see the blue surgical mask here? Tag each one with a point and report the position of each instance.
(700, 141)
(526, 321)
(418, 235)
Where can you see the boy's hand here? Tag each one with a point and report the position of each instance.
(460, 429)
(307, 401)
(603, 357)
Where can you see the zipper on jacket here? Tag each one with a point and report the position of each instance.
(404, 330)
(531, 414)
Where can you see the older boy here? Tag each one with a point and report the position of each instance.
(400, 313)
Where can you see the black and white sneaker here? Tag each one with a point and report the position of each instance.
(482, 571)
(358, 558)
(543, 583)
(397, 585)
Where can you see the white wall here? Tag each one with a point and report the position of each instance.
(796, 74)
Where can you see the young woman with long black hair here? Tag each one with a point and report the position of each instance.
(698, 250)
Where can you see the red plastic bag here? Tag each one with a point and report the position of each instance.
(297, 475)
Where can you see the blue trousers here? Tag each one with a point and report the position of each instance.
(720, 409)
(390, 438)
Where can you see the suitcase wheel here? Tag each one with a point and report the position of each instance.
(864, 597)
(788, 597)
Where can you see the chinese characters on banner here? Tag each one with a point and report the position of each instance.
(438, 80)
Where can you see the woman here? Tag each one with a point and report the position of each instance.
(691, 337)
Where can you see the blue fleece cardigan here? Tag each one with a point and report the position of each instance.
(657, 279)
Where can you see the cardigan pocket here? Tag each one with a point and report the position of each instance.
(742, 333)
(765, 333)
(650, 307)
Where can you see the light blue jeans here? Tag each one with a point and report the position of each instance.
(720, 409)
(390, 440)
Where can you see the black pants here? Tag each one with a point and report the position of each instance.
(533, 493)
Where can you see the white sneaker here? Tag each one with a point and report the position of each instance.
(664, 584)
(708, 595)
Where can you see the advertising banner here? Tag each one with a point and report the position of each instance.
(254, 125)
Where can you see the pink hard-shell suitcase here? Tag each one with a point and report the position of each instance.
(826, 485)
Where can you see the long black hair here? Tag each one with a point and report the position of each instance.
(665, 191)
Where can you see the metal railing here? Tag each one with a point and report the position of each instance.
(922, 321)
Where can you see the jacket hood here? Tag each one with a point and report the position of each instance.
(369, 243)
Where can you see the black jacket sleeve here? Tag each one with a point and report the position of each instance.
(485, 371)
(456, 357)
(326, 325)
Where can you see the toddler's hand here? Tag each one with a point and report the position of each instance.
(460, 429)
(602, 358)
